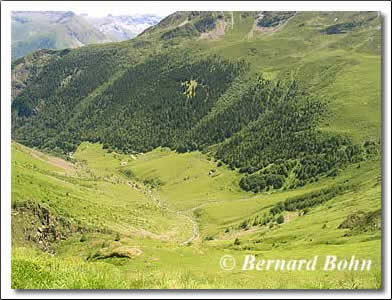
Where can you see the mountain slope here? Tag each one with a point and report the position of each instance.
(181, 97)
(33, 30)
(109, 230)
(211, 133)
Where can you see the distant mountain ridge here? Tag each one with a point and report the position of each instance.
(34, 30)
(123, 27)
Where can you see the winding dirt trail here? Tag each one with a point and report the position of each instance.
(184, 214)
(195, 230)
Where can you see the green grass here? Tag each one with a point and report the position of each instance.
(100, 198)
(164, 262)
(186, 178)
(344, 69)
(218, 216)
(357, 92)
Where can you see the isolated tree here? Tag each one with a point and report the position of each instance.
(280, 219)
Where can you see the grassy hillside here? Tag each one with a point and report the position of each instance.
(83, 193)
(227, 101)
(210, 134)
(346, 68)
(127, 232)
(299, 49)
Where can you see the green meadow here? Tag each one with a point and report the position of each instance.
(134, 232)
(100, 219)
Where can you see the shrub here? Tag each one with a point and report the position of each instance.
(244, 224)
(280, 219)
(127, 173)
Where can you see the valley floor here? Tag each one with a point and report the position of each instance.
(165, 220)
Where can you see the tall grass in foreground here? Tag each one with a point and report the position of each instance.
(34, 270)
